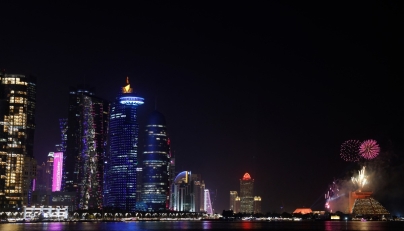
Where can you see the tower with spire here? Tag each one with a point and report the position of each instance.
(122, 158)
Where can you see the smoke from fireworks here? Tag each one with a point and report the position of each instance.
(369, 149)
(350, 150)
(361, 179)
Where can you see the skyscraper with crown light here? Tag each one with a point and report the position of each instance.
(121, 162)
(246, 194)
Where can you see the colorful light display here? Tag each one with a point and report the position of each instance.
(369, 149)
(57, 171)
(361, 180)
(333, 193)
(350, 150)
(246, 176)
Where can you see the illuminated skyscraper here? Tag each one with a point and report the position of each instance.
(156, 164)
(17, 127)
(122, 159)
(87, 133)
(246, 194)
(207, 205)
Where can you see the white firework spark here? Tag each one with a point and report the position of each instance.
(361, 179)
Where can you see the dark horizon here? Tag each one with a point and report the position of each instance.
(272, 89)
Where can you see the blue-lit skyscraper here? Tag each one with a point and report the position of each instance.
(156, 164)
(122, 160)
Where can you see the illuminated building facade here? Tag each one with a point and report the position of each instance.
(122, 159)
(196, 193)
(87, 133)
(57, 171)
(207, 203)
(48, 172)
(156, 164)
(246, 194)
(237, 205)
(202, 198)
(233, 195)
(44, 175)
(361, 203)
(17, 127)
(257, 204)
(188, 193)
(180, 192)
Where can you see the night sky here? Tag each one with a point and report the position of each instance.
(270, 88)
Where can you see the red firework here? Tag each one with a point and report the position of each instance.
(350, 150)
(369, 149)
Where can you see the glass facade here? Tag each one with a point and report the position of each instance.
(121, 161)
(246, 194)
(87, 133)
(233, 195)
(17, 127)
(156, 164)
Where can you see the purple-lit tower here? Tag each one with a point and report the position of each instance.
(87, 133)
(121, 161)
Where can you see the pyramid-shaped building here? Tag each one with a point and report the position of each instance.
(363, 204)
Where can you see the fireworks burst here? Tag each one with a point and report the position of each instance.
(361, 179)
(350, 150)
(369, 149)
(332, 193)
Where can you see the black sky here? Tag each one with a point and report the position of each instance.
(271, 88)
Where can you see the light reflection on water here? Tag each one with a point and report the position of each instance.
(203, 225)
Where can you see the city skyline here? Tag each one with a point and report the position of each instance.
(272, 89)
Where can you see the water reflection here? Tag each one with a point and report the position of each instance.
(206, 225)
(203, 225)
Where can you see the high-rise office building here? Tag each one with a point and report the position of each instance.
(122, 159)
(87, 133)
(196, 193)
(156, 164)
(47, 181)
(246, 194)
(202, 198)
(257, 204)
(233, 195)
(17, 128)
(237, 205)
(207, 205)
